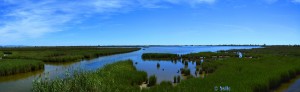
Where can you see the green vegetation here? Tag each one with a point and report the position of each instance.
(186, 72)
(198, 56)
(27, 59)
(160, 56)
(274, 66)
(209, 67)
(62, 54)
(152, 80)
(7, 52)
(14, 66)
(176, 79)
(117, 77)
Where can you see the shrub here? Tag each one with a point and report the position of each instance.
(152, 80)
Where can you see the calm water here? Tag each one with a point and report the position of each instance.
(294, 87)
(166, 71)
(291, 86)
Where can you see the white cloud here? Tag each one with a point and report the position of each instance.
(31, 18)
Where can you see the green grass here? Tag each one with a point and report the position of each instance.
(14, 66)
(185, 72)
(152, 80)
(274, 66)
(62, 54)
(208, 55)
(27, 59)
(160, 56)
(118, 77)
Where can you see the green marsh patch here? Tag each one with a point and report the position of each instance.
(14, 66)
(117, 77)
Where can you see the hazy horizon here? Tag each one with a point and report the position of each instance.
(149, 22)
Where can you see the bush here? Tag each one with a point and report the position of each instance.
(152, 80)
(160, 56)
(186, 72)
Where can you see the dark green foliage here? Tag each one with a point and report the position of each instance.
(14, 66)
(164, 86)
(186, 72)
(178, 79)
(174, 79)
(152, 80)
(209, 67)
(117, 77)
(186, 63)
(62, 54)
(7, 52)
(160, 56)
(26, 59)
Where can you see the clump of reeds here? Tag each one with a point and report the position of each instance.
(160, 56)
(152, 80)
(186, 72)
(14, 66)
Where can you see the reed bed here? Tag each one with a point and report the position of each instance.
(275, 65)
(207, 55)
(27, 59)
(14, 66)
(160, 56)
(118, 77)
(62, 54)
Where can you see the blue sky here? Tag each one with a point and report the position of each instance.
(149, 22)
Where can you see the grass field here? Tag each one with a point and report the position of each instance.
(62, 54)
(27, 59)
(14, 66)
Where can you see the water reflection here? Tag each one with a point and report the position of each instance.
(166, 70)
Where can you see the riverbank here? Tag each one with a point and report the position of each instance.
(27, 59)
(269, 67)
(117, 77)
